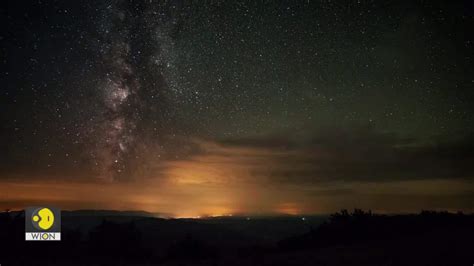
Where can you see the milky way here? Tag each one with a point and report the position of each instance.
(119, 90)
(226, 101)
(132, 85)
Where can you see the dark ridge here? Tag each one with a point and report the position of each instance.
(357, 238)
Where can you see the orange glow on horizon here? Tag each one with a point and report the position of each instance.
(288, 208)
(230, 181)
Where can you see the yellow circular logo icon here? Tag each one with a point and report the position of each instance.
(43, 218)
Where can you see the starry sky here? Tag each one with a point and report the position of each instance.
(191, 108)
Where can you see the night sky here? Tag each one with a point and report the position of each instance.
(191, 108)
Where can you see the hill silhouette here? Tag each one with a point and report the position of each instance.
(357, 238)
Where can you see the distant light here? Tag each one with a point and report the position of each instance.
(303, 218)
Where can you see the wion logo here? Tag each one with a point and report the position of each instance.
(42, 224)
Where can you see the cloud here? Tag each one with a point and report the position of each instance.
(341, 155)
(321, 173)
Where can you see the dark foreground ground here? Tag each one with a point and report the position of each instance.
(358, 238)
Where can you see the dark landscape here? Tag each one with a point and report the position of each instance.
(237, 132)
(343, 238)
